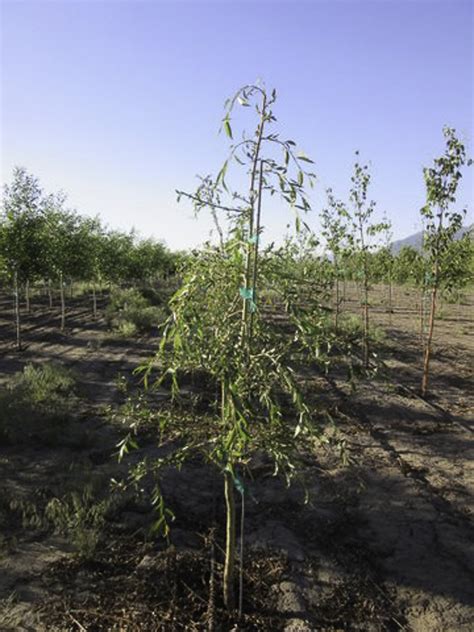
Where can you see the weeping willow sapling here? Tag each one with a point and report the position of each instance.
(217, 324)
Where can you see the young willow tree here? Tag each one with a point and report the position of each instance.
(334, 229)
(441, 225)
(362, 230)
(217, 324)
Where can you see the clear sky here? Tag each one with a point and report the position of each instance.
(119, 103)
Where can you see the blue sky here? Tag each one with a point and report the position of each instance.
(119, 103)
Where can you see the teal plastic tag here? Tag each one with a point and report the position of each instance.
(253, 239)
(239, 486)
(246, 293)
(252, 306)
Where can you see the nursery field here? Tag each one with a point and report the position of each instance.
(380, 540)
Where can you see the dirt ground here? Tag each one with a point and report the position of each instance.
(386, 542)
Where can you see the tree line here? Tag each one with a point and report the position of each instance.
(42, 241)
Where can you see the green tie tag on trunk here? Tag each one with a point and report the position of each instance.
(253, 239)
(248, 295)
(239, 486)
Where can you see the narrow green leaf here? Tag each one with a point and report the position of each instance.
(227, 127)
(305, 158)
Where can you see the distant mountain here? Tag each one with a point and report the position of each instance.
(415, 240)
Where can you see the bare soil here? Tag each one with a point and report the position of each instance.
(385, 542)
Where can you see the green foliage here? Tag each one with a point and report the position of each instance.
(41, 239)
(442, 222)
(129, 312)
(36, 404)
(78, 514)
(363, 230)
(218, 325)
(457, 265)
(409, 267)
(352, 331)
(22, 226)
(81, 517)
(334, 219)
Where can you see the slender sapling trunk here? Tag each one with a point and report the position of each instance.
(429, 339)
(63, 302)
(94, 301)
(27, 296)
(390, 302)
(17, 311)
(229, 593)
(50, 294)
(366, 324)
(422, 319)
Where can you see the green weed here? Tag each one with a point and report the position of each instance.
(81, 517)
(129, 313)
(36, 404)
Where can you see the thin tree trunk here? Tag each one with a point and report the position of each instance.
(366, 325)
(250, 276)
(50, 294)
(63, 303)
(250, 249)
(229, 592)
(422, 319)
(255, 258)
(17, 311)
(336, 307)
(426, 363)
(94, 301)
(390, 303)
(27, 296)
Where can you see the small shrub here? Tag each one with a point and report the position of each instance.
(129, 313)
(126, 329)
(48, 383)
(36, 404)
(79, 516)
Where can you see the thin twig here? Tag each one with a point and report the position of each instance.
(213, 205)
(81, 627)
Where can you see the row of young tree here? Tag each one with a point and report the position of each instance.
(44, 242)
(221, 325)
(361, 249)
